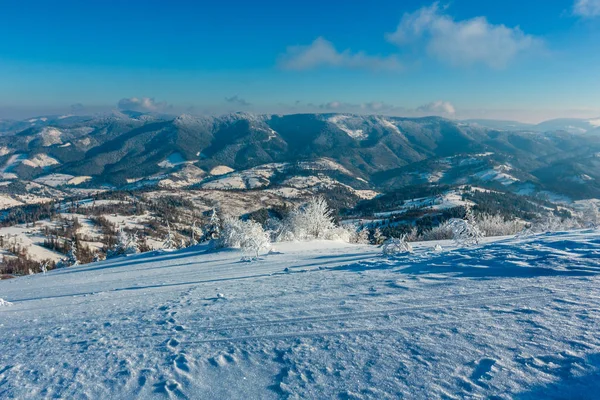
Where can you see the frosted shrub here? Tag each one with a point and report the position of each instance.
(4, 303)
(440, 232)
(591, 216)
(465, 233)
(552, 223)
(340, 234)
(354, 234)
(274, 228)
(311, 221)
(253, 238)
(231, 233)
(496, 225)
(394, 246)
(246, 235)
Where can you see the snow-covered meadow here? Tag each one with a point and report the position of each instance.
(513, 318)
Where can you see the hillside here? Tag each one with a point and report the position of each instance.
(515, 318)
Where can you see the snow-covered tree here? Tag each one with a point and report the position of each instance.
(313, 220)
(44, 267)
(378, 237)
(213, 228)
(195, 234)
(254, 239)
(126, 244)
(169, 243)
(70, 259)
(393, 246)
(247, 235)
(230, 235)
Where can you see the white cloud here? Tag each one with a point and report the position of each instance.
(144, 104)
(587, 8)
(238, 101)
(437, 108)
(466, 42)
(322, 53)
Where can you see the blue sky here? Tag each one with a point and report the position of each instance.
(527, 60)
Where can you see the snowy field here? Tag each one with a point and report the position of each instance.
(516, 318)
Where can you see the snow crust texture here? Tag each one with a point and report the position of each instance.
(515, 318)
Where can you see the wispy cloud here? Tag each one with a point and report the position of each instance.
(238, 101)
(587, 8)
(143, 104)
(465, 42)
(437, 108)
(322, 53)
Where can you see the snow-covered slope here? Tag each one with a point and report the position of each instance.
(517, 318)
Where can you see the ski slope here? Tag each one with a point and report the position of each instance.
(515, 318)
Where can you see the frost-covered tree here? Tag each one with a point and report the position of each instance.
(169, 243)
(393, 246)
(247, 235)
(254, 239)
(126, 244)
(378, 237)
(313, 220)
(213, 228)
(230, 235)
(195, 234)
(72, 254)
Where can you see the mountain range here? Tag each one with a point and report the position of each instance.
(131, 149)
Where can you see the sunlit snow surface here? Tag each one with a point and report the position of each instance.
(517, 318)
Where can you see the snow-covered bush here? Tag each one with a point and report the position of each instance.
(591, 216)
(393, 246)
(551, 222)
(440, 232)
(465, 233)
(355, 234)
(274, 227)
(247, 235)
(4, 303)
(360, 237)
(253, 238)
(230, 235)
(496, 225)
(311, 221)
